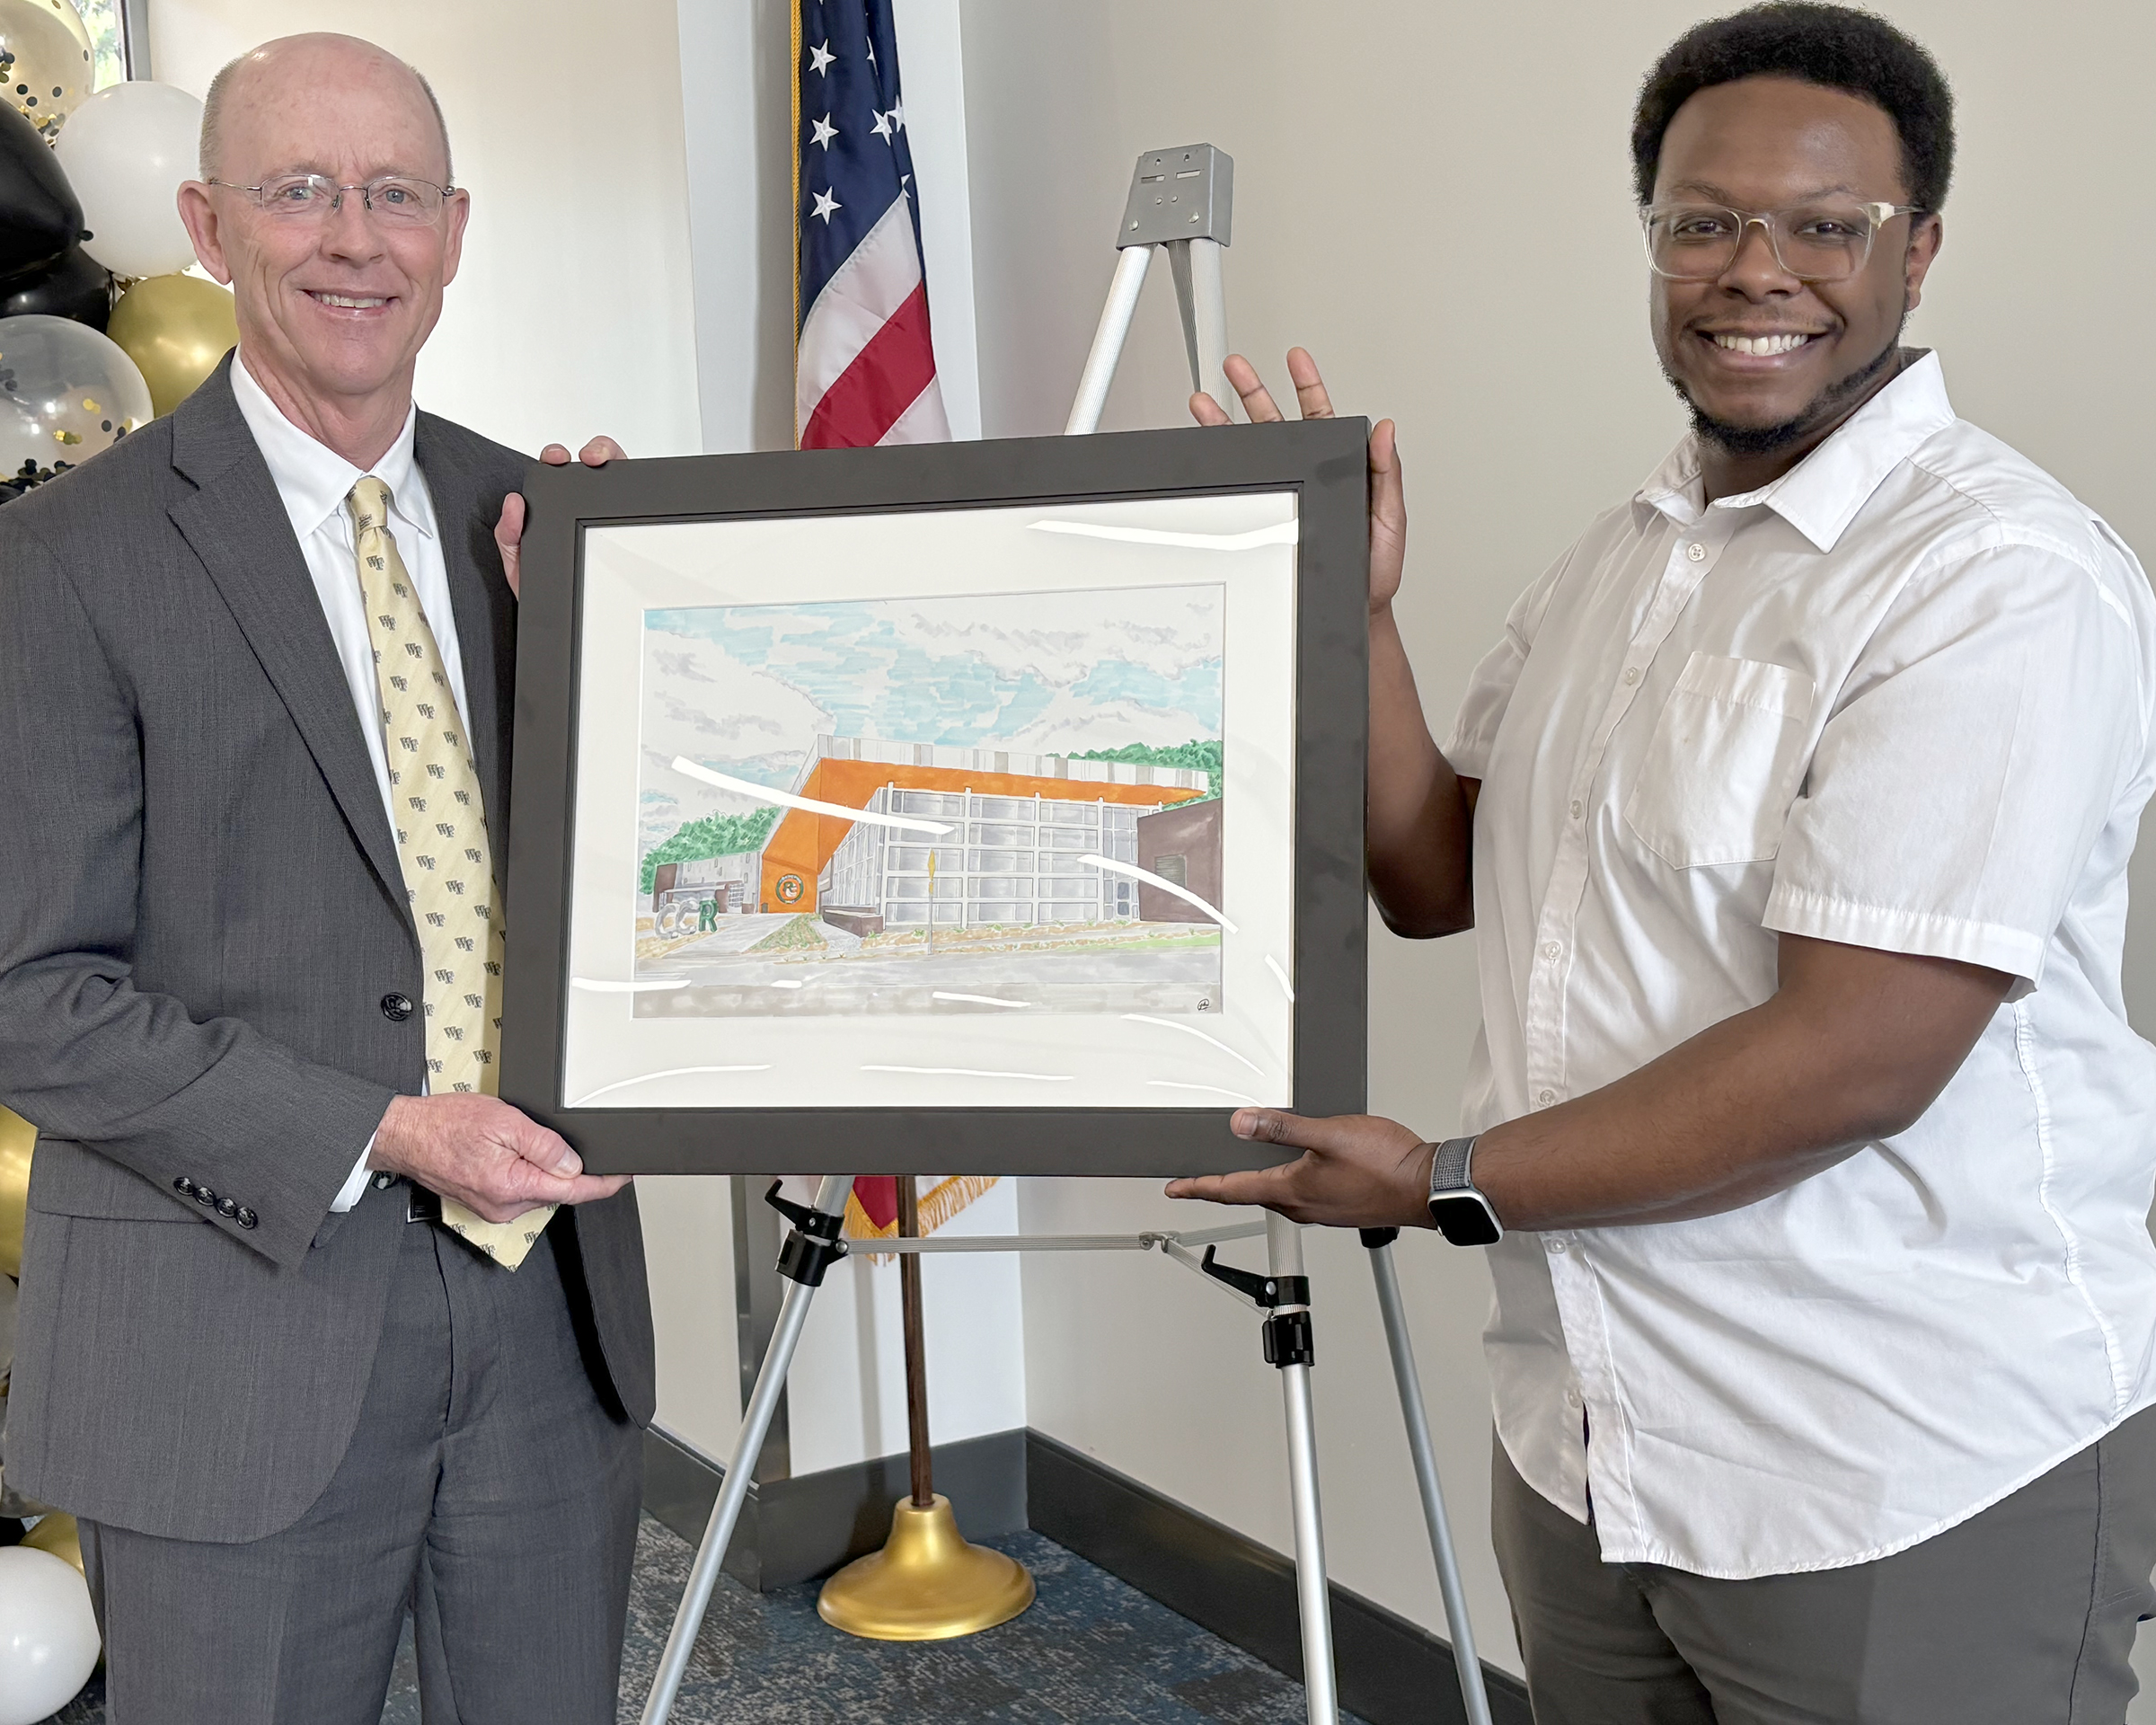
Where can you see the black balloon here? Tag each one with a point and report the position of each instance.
(40, 215)
(75, 284)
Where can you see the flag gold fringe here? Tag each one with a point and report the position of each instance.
(939, 1206)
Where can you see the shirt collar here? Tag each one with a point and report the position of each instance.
(1820, 496)
(312, 479)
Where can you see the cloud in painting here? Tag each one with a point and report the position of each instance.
(746, 689)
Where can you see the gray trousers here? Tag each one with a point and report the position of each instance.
(2023, 1615)
(487, 1490)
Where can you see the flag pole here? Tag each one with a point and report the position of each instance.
(923, 1466)
(927, 1584)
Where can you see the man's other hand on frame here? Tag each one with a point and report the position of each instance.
(508, 532)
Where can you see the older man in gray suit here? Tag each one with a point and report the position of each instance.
(250, 992)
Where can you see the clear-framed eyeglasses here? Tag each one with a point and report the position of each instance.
(1827, 241)
(396, 199)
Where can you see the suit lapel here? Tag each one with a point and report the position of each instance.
(236, 524)
(465, 512)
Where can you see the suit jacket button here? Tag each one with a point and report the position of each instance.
(246, 1217)
(396, 1008)
(384, 1180)
(228, 1208)
(184, 1186)
(203, 1195)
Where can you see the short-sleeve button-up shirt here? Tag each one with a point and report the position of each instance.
(1899, 698)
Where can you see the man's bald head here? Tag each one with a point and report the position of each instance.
(287, 69)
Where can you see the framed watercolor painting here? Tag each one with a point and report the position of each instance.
(996, 807)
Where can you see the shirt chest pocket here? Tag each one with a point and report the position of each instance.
(1724, 763)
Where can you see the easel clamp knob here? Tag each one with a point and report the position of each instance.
(1264, 1292)
(813, 1245)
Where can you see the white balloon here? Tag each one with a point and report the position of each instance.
(126, 151)
(48, 1642)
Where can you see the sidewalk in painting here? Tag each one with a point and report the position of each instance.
(808, 968)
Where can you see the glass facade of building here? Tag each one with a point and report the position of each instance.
(1007, 859)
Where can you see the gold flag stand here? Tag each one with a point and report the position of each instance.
(927, 1584)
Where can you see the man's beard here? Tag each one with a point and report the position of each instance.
(1826, 407)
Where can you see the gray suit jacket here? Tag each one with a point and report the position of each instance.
(201, 912)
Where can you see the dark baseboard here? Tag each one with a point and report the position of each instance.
(795, 1530)
(1391, 1672)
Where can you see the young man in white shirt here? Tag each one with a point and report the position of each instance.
(1792, 815)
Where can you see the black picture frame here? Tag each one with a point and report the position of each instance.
(1323, 461)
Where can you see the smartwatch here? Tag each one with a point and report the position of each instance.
(1463, 1214)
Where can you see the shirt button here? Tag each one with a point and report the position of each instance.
(1552, 950)
(1553, 1245)
(1547, 1097)
(1578, 808)
(1572, 1398)
(396, 1008)
(1696, 552)
(1632, 674)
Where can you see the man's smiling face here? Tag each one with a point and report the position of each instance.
(1764, 360)
(338, 308)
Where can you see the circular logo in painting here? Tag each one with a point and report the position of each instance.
(789, 889)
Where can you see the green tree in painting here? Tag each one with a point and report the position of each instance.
(1201, 757)
(696, 841)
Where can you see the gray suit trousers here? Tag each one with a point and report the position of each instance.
(2023, 1615)
(490, 1488)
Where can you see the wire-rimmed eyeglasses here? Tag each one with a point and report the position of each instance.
(393, 197)
(1827, 241)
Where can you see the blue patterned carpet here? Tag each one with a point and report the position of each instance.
(1091, 1648)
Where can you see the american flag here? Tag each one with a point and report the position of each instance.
(864, 371)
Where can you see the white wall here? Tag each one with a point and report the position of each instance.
(1436, 200)
(571, 314)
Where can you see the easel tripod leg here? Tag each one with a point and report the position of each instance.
(804, 1271)
(1284, 1243)
(1409, 1382)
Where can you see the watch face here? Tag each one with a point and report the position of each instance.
(1466, 1219)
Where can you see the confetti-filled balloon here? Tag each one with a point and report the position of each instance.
(126, 151)
(46, 71)
(48, 1643)
(175, 329)
(65, 10)
(74, 285)
(66, 393)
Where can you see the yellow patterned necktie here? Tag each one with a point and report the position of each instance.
(441, 824)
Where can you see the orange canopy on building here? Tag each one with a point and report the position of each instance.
(804, 843)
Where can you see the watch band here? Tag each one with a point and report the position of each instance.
(1449, 1166)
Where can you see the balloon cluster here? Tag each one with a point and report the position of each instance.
(48, 1639)
(98, 328)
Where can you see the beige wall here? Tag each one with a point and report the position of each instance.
(571, 314)
(1436, 200)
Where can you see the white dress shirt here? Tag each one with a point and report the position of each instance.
(314, 480)
(1900, 698)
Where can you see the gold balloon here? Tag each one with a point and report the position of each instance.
(58, 1534)
(46, 69)
(175, 329)
(18, 1137)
